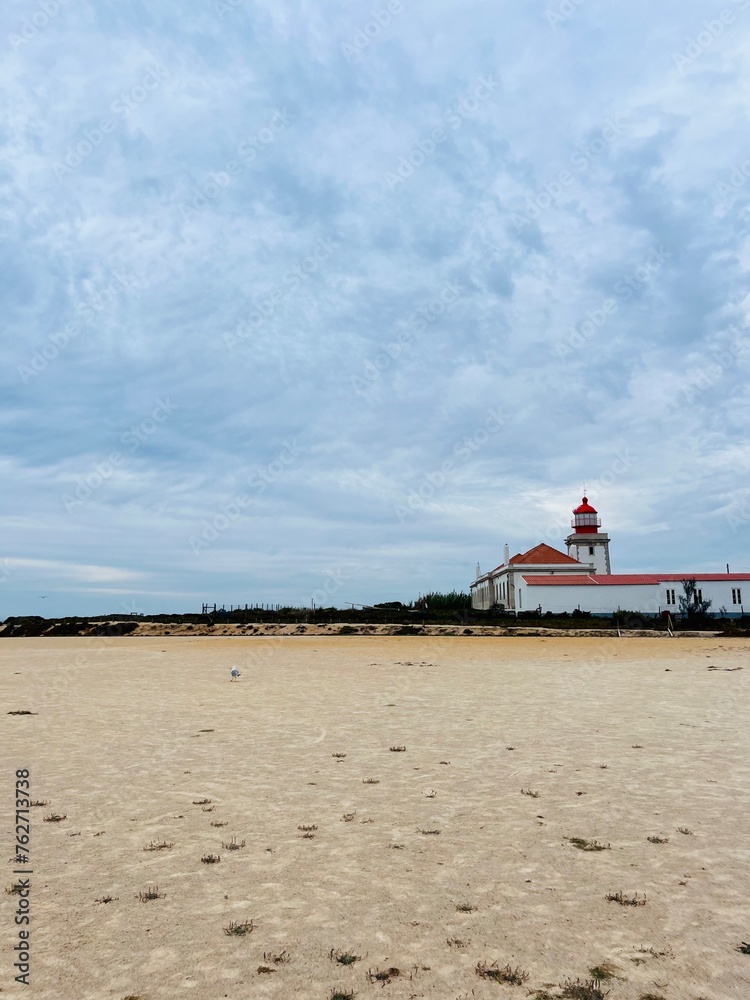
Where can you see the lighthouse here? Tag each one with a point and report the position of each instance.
(544, 580)
(586, 543)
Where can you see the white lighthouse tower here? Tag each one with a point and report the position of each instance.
(586, 543)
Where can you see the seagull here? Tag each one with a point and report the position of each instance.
(235, 673)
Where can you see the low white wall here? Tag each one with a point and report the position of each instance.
(643, 598)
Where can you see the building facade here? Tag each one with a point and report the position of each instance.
(545, 579)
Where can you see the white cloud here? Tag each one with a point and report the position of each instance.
(55, 570)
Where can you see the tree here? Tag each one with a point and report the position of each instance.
(690, 606)
(437, 601)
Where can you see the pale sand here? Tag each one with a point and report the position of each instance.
(116, 745)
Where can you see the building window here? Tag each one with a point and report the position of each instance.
(698, 599)
(736, 596)
(671, 597)
(591, 550)
(520, 602)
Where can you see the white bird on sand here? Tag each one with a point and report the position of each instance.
(235, 673)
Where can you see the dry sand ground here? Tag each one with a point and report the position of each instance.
(132, 733)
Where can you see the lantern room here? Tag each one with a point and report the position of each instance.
(586, 521)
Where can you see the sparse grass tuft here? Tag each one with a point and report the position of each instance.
(239, 929)
(398, 749)
(39, 802)
(341, 995)
(151, 893)
(658, 840)
(233, 845)
(55, 818)
(600, 973)
(265, 968)
(651, 996)
(160, 845)
(618, 897)
(465, 907)
(455, 942)
(307, 828)
(279, 958)
(22, 711)
(582, 990)
(210, 859)
(344, 957)
(348, 817)
(371, 781)
(667, 953)
(14, 889)
(528, 791)
(514, 977)
(219, 822)
(208, 809)
(686, 830)
(106, 899)
(338, 756)
(201, 802)
(744, 947)
(383, 976)
(588, 845)
(307, 836)
(428, 832)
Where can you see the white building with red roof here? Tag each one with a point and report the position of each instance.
(545, 579)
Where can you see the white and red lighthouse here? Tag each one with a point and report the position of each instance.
(586, 543)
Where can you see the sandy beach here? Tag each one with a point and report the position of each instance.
(449, 856)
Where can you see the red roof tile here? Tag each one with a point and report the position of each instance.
(563, 580)
(544, 555)
(631, 579)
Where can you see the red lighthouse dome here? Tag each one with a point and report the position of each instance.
(586, 521)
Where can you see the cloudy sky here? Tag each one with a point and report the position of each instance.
(327, 299)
